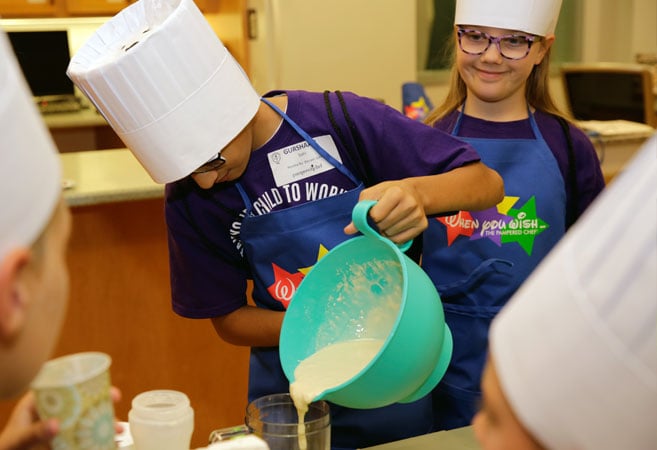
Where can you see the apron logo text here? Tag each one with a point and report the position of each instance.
(502, 224)
(292, 194)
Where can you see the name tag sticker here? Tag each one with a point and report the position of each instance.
(300, 161)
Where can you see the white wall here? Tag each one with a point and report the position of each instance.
(644, 31)
(365, 46)
(616, 30)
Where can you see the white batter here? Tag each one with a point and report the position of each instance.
(329, 367)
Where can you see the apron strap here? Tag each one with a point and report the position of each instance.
(356, 155)
(573, 204)
(459, 119)
(313, 143)
(245, 197)
(334, 162)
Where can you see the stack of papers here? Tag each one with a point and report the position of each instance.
(615, 128)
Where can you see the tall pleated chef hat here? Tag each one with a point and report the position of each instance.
(30, 173)
(166, 84)
(575, 347)
(537, 17)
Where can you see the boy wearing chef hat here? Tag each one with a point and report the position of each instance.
(34, 231)
(572, 360)
(273, 181)
(499, 101)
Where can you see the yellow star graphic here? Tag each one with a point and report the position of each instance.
(320, 254)
(505, 205)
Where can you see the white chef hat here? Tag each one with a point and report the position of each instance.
(575, 349)
(537, 17)
(30, 173)
(166, 84)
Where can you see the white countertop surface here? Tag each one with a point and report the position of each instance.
(457, 439)
(106, 176)
(86, 117)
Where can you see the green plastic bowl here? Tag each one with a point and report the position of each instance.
(367, 288)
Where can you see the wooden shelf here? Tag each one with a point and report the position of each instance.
(34, 8)
(67, 8)
(95, 7)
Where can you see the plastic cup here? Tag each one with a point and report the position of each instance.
(161, 420)
(274, 419)
(75, 389)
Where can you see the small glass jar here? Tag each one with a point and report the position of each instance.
(274, 419)
(161, 420)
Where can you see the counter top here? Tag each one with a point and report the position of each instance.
(86, 117)
(615, 151)
(106, 176)
(457, 439)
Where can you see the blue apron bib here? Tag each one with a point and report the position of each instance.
(477, 259)
(280, 247)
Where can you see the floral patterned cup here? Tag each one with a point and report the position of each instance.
(75, 389)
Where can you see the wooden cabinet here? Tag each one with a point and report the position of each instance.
(227, 18)
(120, 304)
(109, 7)
(28, 8)
(95, 7)
(64, 8)
(229, 21)
(207, 5)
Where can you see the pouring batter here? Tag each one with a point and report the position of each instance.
(331, 366)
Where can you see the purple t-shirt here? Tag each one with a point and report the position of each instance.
(208, 269)
(590, 181)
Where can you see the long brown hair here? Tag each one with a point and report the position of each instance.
(537, 90)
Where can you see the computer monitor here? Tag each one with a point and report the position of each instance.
(44, 57)
(609, 92)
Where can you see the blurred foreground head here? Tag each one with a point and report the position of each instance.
(34, 229)
(574, 350)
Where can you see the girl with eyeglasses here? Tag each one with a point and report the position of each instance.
(499, 101)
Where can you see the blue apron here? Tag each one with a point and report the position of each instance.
(277, 245)
(477, 259)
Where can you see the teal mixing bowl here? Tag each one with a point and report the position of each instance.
(367, 288)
